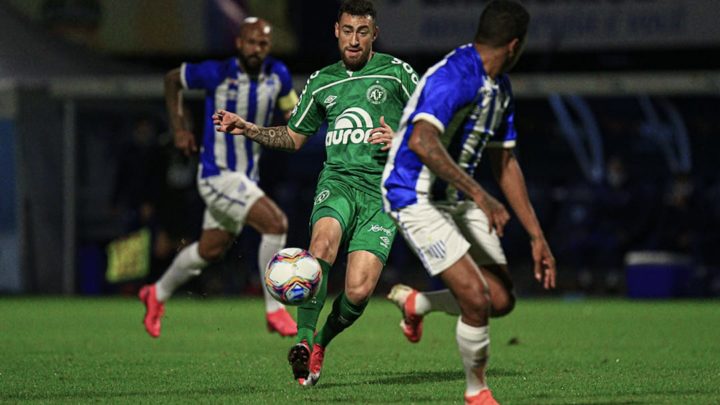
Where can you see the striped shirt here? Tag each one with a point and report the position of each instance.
(471, 110)
(255, 99)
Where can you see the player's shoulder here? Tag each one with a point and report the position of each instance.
(275, 65)
(392, 62)
(464, 57)
(462, 63)
(210, 69)
(215, 63)
(385, 58)
(328, 74)
(504, 82)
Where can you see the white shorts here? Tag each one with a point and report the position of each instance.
(228, 198)
(440, 234)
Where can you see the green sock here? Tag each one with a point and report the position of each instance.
(308, 313)
(344, 314)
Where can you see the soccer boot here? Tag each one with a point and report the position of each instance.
(298, 357)
(411, 324)
(316, 363)
(483, 397)
(281, 322)
(154, 310)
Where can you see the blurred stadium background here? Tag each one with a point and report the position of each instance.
(618, 105)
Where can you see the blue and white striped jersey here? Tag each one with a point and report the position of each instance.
(471, 110)
(228, 87)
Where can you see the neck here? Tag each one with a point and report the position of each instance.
(364, 64)
(249, 71)
(492, 58)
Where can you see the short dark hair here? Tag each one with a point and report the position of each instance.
(502, 21)
(357, 8)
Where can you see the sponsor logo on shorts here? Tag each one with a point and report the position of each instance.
(436, 250)
(322, 196)
(385, 242)
(380, 228)
(376, 94)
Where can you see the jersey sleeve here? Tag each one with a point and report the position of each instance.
(308, 115)
(506, 135)
(287, 97)
(205, 75)
(443, 92)
(408, 80)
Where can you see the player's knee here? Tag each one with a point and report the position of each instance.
(278, 225)
(323, 248)
(475, 302)
(212, 253)
(503, 305)
(478, 302)
(359, 293)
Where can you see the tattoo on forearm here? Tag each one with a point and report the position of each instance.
(272, 137)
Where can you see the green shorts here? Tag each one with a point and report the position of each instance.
(364, 224)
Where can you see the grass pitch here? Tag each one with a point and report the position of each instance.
(56, 350)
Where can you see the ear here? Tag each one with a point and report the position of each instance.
(337, 30)
(513, 46)
(376, 31)
(238, 42)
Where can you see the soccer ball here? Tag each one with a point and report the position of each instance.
(293, 276)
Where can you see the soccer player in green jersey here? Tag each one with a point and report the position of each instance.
(361, 97)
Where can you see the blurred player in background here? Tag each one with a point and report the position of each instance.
(252, 84)
(361, 98)
(462, 106)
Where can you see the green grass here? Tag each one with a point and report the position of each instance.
(56, 350)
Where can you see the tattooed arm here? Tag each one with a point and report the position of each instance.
(282, 138)
(425, 142)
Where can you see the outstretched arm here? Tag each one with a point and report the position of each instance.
(282, 138)
(425, 142)
(509, 176)
(184, 139)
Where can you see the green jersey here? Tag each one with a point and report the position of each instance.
(352, 104)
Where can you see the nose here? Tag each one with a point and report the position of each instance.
(355, 39)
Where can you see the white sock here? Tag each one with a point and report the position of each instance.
(269, 245)
(187, 264)
(474, 344)
(442, 300)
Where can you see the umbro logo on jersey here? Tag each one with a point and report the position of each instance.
(330, 100)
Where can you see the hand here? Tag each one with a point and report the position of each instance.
(185, 141)
(382, 134)
(495, 211)
(544, 262)
(225, 121)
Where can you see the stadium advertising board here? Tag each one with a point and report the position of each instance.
(565, 25)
